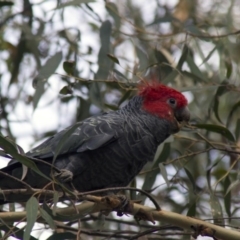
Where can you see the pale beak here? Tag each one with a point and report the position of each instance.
(182, 114)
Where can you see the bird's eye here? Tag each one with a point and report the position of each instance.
(172, 102)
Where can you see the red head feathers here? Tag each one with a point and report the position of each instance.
(164, 102)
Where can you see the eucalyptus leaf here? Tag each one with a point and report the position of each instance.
(191, 178)
(234, 109)
(151, 175)
(6, 3)
(44, 73)
(227, 197)
(237, 131)
(192, 209)
(217, 129)
(73, 3)
(47, 218)
(216, 210)
(142, 57)
(183, 57)
(66, 90)
(11, 150)
(113, 11)
(165, 19)
(104, 63)
(220, 91)
(194, 68)
(113, 58)
(32, 213)
(69, 67)
(164, 173)
(16, 231)
(62, 236)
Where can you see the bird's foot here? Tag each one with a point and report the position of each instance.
(124, 205)
(144, 215)
(120, 203)
(64, 175)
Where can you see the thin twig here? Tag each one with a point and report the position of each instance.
(28, 187)
(152, 230)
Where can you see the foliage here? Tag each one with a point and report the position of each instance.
(79, 58)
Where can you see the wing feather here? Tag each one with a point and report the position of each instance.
(91, 134)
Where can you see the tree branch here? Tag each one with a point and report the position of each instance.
(188, 223)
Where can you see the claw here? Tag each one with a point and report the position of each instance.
(144, 215)
(64, 175)
(120, 203)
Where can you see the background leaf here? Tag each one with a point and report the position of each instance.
(217, 129)
(32, 213)
(44, 73)
(187, 45)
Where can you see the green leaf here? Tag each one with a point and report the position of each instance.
(192, 210)
(161, 58)
(209, 55)
(104, 63)
(171, 76)
(47, 218)
(73, 3)
(113, 11)
(164, 173)
(32, 213)
(69, 67)
(95, 94)
(133, 194)
(11, 150)
(3, 154)
(62, 236)
(55, 201)
(192, 29)
(208, 173)
(192, 76)
(125, 96)
(217, 129)
(165, 19)
(122, 77)
(151, 176)
(234, 108)
(44, 73)
(191, 178)
(163, 63)
(216, 210)
(220, 91)
(237, 131)
(229, 67)
(48, 69)
(233, 185)
(6, 3)
(227, 197)
(66, 90)
(113, 58)
(194, 68)
(111, 106)
(196, 32)
(18, 232)
(183, 57)
(143, 58)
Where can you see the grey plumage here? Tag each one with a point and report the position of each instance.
(103, 151)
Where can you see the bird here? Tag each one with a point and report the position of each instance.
(110, 149)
